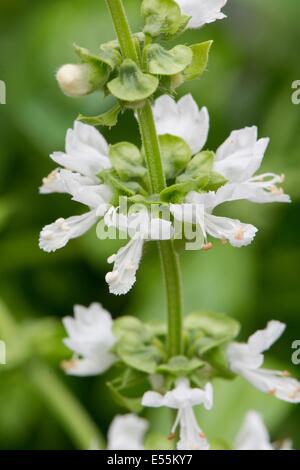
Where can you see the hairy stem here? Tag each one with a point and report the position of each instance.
(169, 259)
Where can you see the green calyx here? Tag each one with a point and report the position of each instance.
(132, 85)
(127, 161)
(140, 349)
(163, 17)
(199, 60)
(109, 118)
(164, 62)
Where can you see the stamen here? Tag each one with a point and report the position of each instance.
(224, 241)
(66, 365)
(272, 392)
(276, 191)
(202, 435)
(240, 234)
(172, 436)
(47, 234)
(285, 373)
(207, 246)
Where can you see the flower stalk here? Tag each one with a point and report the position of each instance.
(169, 259)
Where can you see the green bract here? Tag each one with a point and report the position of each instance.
(110, 54)
(132, 84)
(199, 60)
(175, 153)
(109, 118)
(127, 161)
(139, 356)
(180, 365)
(164, 62)
(212, 329)
(162, 17)
(200, 166)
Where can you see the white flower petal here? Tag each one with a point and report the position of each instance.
(153, 400)
(274, 383)
(202, 11)
(182, 119)
(234, 231)
(55, 182)
(86, 151)
(126, 262)
(262, 340)
(58, 234)
(253, 434)
(241, 155)
(92, 365)
(90, 338)
(127, 432)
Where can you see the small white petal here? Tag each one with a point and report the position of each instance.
(262, 340)
(58, 234)
(241, 155)
(182, 119)
(237, 233)
(202, 11)
(127, 432)
(253, 434)
(153, 400)
(126, 263)
(86, 151)
(90, 338)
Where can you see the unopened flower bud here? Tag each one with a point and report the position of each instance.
(79, 79)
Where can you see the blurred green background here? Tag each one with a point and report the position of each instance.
(254, 60)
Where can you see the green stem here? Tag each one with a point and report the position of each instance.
(122, 28)
(169, 259)
(53, 392)
(65, 406)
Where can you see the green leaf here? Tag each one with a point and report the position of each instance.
(199, 60)
(200, 166)
(212, 328)
(109, 118)
(138, 356)
(176, 154)
(126, 188)
(215, 181)
(132, 84)
(164, 62)
(161, 17)
(180, 365)
(127, 326)
(127, 161)
(131, 404)
(177, 192)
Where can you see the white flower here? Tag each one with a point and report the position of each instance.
(75, 79)
(126, 432)
(238, 159)
(237, 233)
(86, 151)
(182, 119)
(183, 398)
(140, 227)
(202, 11)
(254, 435)
(91, 339)
(246, 359)
(87, 155)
